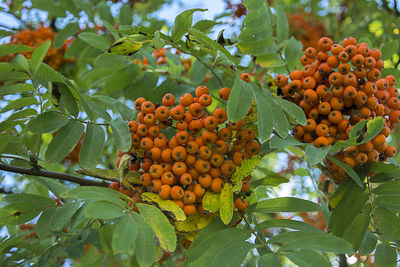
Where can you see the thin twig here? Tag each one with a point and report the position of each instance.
(50, 174)
(369, 187)
(255, 234)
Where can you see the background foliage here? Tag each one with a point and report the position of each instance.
(65, 107)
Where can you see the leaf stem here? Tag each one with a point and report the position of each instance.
(264, 244)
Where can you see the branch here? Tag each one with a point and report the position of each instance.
(3, 191)
(263, 243)
(50, 174)
(394, 11)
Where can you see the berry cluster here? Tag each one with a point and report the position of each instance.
(201, 154)
(54, 57)
(339, 86)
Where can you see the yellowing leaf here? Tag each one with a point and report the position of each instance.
(226, 203)
(247, 167)
(165, 205)
(211, 201)
(194, 223)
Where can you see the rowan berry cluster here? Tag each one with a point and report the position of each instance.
(54, 57)
(202, 153)
(339, 86)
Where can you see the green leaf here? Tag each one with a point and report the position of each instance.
(385, 256)
(271, 179)
(242, 171)
(145, 249)
(47, 122)
(391, 188)
(108, 61)
(167, 206)
(270, 260)
(125, 15)
(391, 202)
(232, 255)
(312, 240)
(352, 201)
(205, 25)
(39, 201)
(105, 13)
(271, 61)
(308, 258)
(13, 76)
(278, 142)
(18, 212)
(286, 204)
(55, 187)
(64, 141)
(4, 33)
(182, 22)
(264, 116)
(207, 44)
(211, 201)
(293, 49)
(104, 210)
(157, 42)
(96, 193)
(240, 100)
(68, 100)
(205, 251)
(389, 49)
(43, 224)
(368, 244)
(350, 171)
(282, 25)
(6, 49)
(164, 231)
(316, 155)
(121, 78)
(21, 61)
(126, 113)
(226, 203)
(38, 56)
(70, 29)
(359, 227)
(385, 176)
(121, 134)
(59, 219)
(286, 223)
(388, 222)
(124, 235)
(95, 40)
(106, 174)
(19, 103)
(281, 123)
(92, 146)
(292, 110)
(22, 114)
(16, 88)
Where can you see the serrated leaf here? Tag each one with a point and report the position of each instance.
(205, 25)
(121, 78)
(204, 252)
(145, 241)
(390, 188)
(47, 122)
(270, 260)
(286, 204)
(281, 123)
(38, 56)
(92, 146)
(62, 35)
(264, 117)
(7, 49)
(232, 255)
(19, 103)
(226, 203)
(368, 244)
(157, 42)
(21, 61)
(125, 15)
(282, 25)
(162, 228)
(124, 235)
(121, 134)
(242, 171)
(385, 256)
(16, 88)
(389, 49)
(388, 222)
(240, 100)
(359, 227)
(165, 205)
(182, 22)
(350, 171)
(352, 200)
(292, 110)
(278, 142)
(309, 258)
(64, 141)
(95, 40)
(96, 193)
(104, 210)
(194, 223)
(391, 202)
(316, 155)
(39, 201)
(286, 223)
(211, 201)
(62, 216)
(293, 49)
